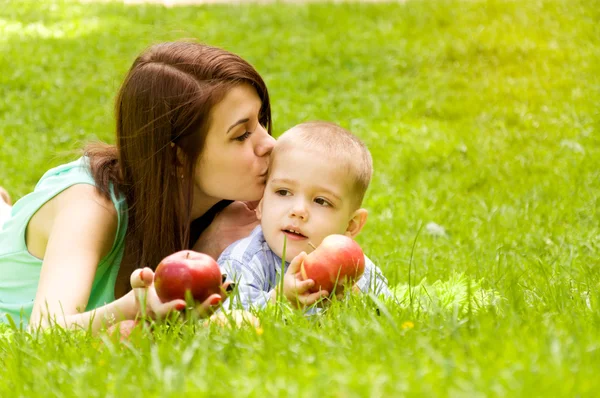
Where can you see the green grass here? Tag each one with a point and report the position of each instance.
(482, 116)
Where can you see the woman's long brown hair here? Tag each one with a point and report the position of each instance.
(166, 98)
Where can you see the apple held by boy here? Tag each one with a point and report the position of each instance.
(337, 262)
(184, 271)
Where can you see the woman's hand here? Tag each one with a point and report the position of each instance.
(295, 289)
(148, 305)
(234, 222)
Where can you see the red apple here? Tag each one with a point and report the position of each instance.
(337, 261)
(184, 271)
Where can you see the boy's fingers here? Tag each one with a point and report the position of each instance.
(296, 262)
(313, 297)
(303, 286)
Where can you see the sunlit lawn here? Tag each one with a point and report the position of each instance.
(482, 117)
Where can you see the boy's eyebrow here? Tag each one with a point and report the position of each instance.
(283, 181)
(237, 123)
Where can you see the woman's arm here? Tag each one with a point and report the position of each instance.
(82, 230)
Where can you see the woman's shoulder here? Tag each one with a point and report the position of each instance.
(78, 207)
(63, 184)
(76, 169)
(85, 196)
(70, 190)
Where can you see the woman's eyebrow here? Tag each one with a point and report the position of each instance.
(241, 121)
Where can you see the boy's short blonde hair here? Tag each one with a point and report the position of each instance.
(339, 145)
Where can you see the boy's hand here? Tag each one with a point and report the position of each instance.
(296, 290)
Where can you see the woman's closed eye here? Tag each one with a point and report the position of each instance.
(244, 136)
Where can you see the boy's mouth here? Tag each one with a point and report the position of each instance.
(294, 234)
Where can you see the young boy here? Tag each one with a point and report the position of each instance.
(317, 180)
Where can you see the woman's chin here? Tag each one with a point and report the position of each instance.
(244, 196)
(253, 197)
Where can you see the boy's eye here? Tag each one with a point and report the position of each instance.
(244, 136)
(323, 202)
(283, 192)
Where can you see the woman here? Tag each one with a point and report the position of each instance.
(193, 134)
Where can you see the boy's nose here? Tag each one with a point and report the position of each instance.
(299, 211)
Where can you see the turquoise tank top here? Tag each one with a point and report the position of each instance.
(20, 271)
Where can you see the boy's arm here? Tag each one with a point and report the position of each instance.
(252, 284)
(373, 280)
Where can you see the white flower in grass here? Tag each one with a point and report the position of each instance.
(462, 148)
(434, 229)
(572, 145)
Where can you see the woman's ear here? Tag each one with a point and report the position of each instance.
(179, 155)
(356, 223)
(258, 210)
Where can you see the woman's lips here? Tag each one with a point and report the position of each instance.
(263, 177)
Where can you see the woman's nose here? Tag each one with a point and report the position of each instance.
(265, 145)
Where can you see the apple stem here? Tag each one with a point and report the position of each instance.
(311, 245)
(187, 255)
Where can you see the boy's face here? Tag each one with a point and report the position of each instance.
(307, 198)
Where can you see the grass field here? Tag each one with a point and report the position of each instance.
(482, 117)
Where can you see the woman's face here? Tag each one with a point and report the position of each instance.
(234, 161)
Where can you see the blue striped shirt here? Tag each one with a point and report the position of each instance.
(252, 265)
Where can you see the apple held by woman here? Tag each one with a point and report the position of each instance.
(338, 261)
(184, 271)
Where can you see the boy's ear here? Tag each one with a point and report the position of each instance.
(258, 210)
(356, 223)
